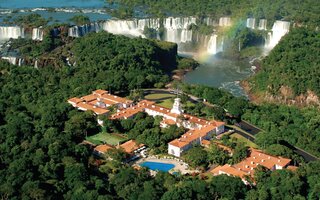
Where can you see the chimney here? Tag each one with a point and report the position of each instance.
(269, 157)
(252, 162)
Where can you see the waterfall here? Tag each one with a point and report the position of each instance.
(224, 21)
(149, 23)
(173, 29)
(36, 64)
(186, 36)
(209, 21)
(7, 32)
(124, 27)
(262, 24)
(20, 61)
(176, 29)
(251, 23)
(279, 29)
(10, 59)
(78, 31)
(37, 34)
(212, 44)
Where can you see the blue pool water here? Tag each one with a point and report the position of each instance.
(157, 166)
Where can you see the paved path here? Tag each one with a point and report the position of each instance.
(253, 130)
(246, 126)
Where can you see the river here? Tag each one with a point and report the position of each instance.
(215, 72)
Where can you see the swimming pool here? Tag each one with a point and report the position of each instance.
(157, 166)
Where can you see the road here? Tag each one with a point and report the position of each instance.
(246, 126)
(253, 130)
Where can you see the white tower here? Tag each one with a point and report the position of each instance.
(176, 108)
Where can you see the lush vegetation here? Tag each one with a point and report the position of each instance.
(281, 123)
(293, 63)
(145, 129)
(305, 12)
(41, 157)
(123, 64)
(80, 19)
(286, 124)
(31, 20)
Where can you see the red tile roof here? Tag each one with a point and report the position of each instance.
(89, 97)
(248, 165)
(100, 92)
(127, 113)
(130, 146)
(103, 148)
(75, 100)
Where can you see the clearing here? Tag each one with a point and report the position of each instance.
(247, 142)
(109, 138)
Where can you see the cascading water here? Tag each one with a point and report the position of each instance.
(78, 31)
(176, 29)
(209, 21)
(20, 61)
(7, 32)
(37, 34)
(279, 29)
(212, 44)
(224, 21)
(150, 23)
(262, 24)
(36, 64)
(10, 59)
(251, 23)
(124, 27)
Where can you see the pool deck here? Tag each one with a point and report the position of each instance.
(180, 166)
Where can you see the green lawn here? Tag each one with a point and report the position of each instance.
(158, 96)
(108, 138)
(244, 140)
(166, 103)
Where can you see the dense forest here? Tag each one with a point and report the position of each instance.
(281, 123)
(302, 12)
(40, 134)
(292, 67)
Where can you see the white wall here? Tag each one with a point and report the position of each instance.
(173, 150)
(219, 130)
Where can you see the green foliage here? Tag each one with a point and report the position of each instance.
(145, 129)
(187, 63)
(80, 19)
(116, 154)
(296, 59)
(305, 12)
(217, 155)
(299, 127)
(196, 156)
(122, 12)
(31, 20)
(201, 28)
(227, 187)
(240, 153)
(35, 49)
(128, 64)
